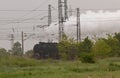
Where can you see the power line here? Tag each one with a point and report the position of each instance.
(31, 10)
(101, 9)
(98, 21)
(20, 20)
(35, 8)
(98, 9)
(27, 10)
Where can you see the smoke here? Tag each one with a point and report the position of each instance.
(92, 24)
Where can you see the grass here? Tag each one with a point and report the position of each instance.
(17, 67)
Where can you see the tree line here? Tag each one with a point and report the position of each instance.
(15, 51)
(88, 50)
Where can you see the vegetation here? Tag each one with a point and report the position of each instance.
(86, 59)
(88, 51)
(29, 53)
(101, 48)
(17, 67)
(3, 53)
(67, 48)
(16, 50)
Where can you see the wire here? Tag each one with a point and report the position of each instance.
(42, 3)
(20, 21)
(102, 9)
(26, 10)
(97, 9)
(35, 8)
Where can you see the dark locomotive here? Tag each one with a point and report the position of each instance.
(46, 50)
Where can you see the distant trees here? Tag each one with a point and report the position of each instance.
(67, 48)
(85, 46)
(29, 53)
(16, 50)
(101, 48)
(113, 43)
(3, 52)
(86, 49)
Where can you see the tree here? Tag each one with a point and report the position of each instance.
(84, 51)
(3, 52)
(29, 53)
(86, 45)
(117, 36)
(101, 48)
(113, 42)
(67, 48)
(16, 50)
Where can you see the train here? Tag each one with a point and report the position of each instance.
(46, 50)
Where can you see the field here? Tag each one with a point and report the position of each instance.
(16, 67)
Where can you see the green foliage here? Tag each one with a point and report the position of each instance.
(16, 61)
(16, 50)
(117, 36)
(114, 45)
(67, 48)
(84, 46)
(101, 48)
(114, 66)
(87, 58)
(29, 53)
(17, 67)
(3, 53)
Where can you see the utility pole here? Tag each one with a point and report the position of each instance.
(12, 41)
(78, 26)
(60, 19)
(49, 15)
(22, 43)
(70, 11)
(65, 9)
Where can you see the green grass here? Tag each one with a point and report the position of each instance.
(17, 67)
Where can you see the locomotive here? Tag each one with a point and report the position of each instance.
(45, 50)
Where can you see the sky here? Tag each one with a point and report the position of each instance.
(20, 15)
(31, 4)
(96, 4)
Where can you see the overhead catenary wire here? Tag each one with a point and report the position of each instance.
(42, 3)
(21, 20)
(53, 9)
(26, 19)
(31, 10)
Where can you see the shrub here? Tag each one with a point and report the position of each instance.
(114, 67)
(101, 49)
(87, 58)
(67, 48)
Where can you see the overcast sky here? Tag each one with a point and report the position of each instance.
(31, 4)
(96, 4)
(42, 5)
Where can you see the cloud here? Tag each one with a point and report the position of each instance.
(92, 23)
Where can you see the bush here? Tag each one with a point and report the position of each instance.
(87, 58)
(114, 67)
(101, 49)
(67, 48)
